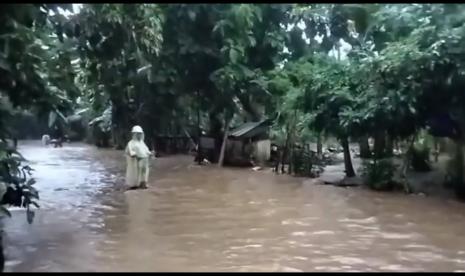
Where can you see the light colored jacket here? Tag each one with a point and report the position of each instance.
(137, 158)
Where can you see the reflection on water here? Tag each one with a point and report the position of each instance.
(210, 219)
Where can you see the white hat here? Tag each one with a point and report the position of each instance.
(137, 129)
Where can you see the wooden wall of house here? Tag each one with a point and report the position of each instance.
(234, 149)
(262, 151)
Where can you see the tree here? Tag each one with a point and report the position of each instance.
(29, 79)
(115, 41)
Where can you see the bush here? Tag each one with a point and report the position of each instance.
(16, 187)
(306, 163)
(302, 162)
(16, 184)
(379, 174)
(419, 158)
(454, 177)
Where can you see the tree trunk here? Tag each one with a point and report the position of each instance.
(291, 159)
(120, 123)
(380, 145)
(397, 146)
(459, 175)
(460, 157)
(437, 149)
(406, 165)
(292, 142)
(319, 145)
(119, 137)
(347, 158)
(225, 141)
(389, 151)
(349, 168)
(2, 256)
(364, 148)
(285, 149)
(199, 131)
(215, 132)
(283, 157)
(278, 159)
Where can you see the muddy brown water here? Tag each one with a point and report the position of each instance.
(208, 219)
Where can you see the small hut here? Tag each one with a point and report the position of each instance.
(249, 142)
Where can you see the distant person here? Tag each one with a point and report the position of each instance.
(137, 158)
(57, 142)
(45, 140)
(274, 154)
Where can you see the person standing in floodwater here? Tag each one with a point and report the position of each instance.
(137, 158)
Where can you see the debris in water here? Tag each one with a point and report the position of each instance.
(13, 263)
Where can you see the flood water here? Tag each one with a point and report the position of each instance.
(208, 219)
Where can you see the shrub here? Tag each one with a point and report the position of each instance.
(16, 187)
(419, 158)
(378, 174)
(454, 177)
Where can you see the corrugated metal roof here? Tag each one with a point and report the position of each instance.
(246, 128)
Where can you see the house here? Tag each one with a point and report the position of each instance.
(249, 141)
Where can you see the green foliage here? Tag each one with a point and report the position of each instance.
(301, 164)
(33, 60)
(35, 63)
(306, 163)
(167, 66)
(378, 174)
(16, 186)
(163, 65)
